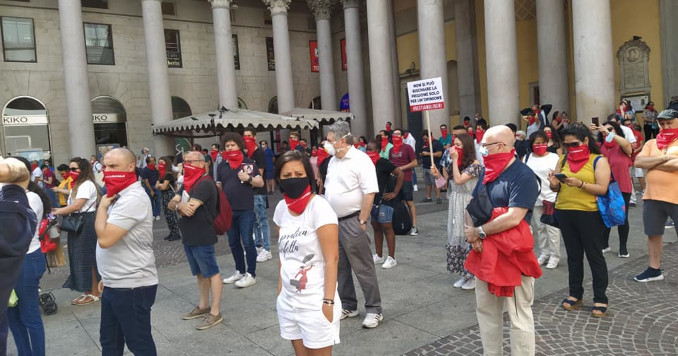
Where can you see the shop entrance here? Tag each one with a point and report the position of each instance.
(25, 129)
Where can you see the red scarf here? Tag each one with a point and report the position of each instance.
(314, 153)
(549, 134)
(251, 145)
(298, 205)
(362, 144)
(74, 176)
(303, 144)
(495, 164)
(397, 143)
(539, 150)
(33, 166)
(666, 137)
(609, 145)
(161, 170)
(191, 175)
(151, 167)
(388, 127)
(117, 181)
(374, 156)
(234, 158)
(294, 144)
(444, 132)
(531, 120)
(214, 153)
(384, 143)
(577, 157)
(460, 155)
(322, 156)
(479, 135)
(356, 145)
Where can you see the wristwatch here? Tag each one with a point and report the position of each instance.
(481, 233)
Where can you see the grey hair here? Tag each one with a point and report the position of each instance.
(341, 129)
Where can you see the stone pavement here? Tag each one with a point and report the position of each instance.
(423, 313)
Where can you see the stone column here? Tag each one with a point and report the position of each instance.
(668, 27)
(158, 77)
(432, 54)
(552, 55)
(400, 119)
(328, 92)
(593, 59)
(468, 82)
(223, 38)
(354, 59)
(78, 104)
(283, 59)
(381, 66)
(502, 62)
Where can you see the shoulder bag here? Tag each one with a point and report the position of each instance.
(73, 222)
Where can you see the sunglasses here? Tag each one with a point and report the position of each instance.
(572, 144)
(73, 169)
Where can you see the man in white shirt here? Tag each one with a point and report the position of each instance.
(350, 187)
(412, 142)
(36, 174)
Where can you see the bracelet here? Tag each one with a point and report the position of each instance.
(328, 301)
(582, 185)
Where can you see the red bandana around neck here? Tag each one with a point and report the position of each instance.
(298, 205)
(117, 181)
(251, 145)
(161, 170)
(374, 156)
(666, 137)
(397, 143)
(234, 158)
(356, 145)
(495, 164)
(384, 143)
(214, 153)
(577, 157)
(74, 176)
(479, 135)
(191, 175)
(322, 156)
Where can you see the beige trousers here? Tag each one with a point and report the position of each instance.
(490, 310)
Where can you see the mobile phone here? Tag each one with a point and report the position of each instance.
(561, 177)
(595, 121)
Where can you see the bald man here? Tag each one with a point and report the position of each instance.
(509, 184)
(129, 279)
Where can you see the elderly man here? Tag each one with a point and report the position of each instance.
(511, 187)
(129, 279)
(660, 157)
(350, 186)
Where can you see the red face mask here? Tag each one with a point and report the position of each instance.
(191, 175)
(75, 175)
(161, 169)
(577, 157)
(34, 166)
(460, 155)
(540, 149)
(650, 107)
(384, 143)
(294, 144)
(444, 133)
(479, 135)
(609, 145)
(356, 145)
(666, 137)
(303, 144)
(322, 155)
(117, 181)
(362, 144)
(531, 120)
(549, 134)
(374, 156)
(388, 127)
(495, 164)
(214, 153)
(151, 166)
(234, 158)
(299, 204)
(251, 145)
(397, 143)
(65, 175)
(467, 123)
(314, 152)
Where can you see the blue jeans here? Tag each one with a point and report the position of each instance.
(126, 318)
(414, 176)
(261, 229)
(24, 319)
(156, 200)
(241, 230)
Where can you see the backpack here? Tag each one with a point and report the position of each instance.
(222, 222)
(402, 222)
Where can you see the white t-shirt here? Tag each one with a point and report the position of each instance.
(628, 135)
(87, 190)
(37, 173)
(542, 166)
(348, 179)
(36, 205)
(302, 264)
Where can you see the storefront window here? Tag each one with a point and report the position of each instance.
(110, 123)
(25, 129)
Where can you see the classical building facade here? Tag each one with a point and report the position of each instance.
(77, 74)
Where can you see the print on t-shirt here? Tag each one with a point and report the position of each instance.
(303, 269)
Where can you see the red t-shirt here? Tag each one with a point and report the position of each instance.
(403, 157)
(46, 175)
(619, 164)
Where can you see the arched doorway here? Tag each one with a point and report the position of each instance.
(315, 103)
(241, 104)
(273, 105)
(180, 108)
(25, 128)
(110, 124)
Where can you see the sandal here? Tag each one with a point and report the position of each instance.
(569, 304)
(78, 299)
(599, 311)
(88, 299)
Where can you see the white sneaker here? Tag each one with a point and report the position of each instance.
(542, 259)
(348, 314)
(606, 250)
(459, 283)
(157, 218)
(553, 262)
(469, 284)
(415, 188)
(264, 256)
(414, 231)
(259, 249)
(235, 277)
(246, 281)
(372, 320)
(377, 259)
(389, 263)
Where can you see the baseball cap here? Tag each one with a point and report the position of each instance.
(668, 114)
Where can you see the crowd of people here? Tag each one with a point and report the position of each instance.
(506, 190)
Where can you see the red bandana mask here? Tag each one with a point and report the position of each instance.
(444, 132)
(314, 153)
(666, 137)
(298, 205)
(214, 153)
(74, 175)
(151, 167)
(479, 135)
(322, 155)
(577, 157)
(460, 155)
(397, 143)
(540, 149)
(303, 144)
(161, 170)
(117, 181)
(65, 175)
(251, 144)
(467, 123)
(531, 120)
(362, 144)
(384, 143)
(374, 156)
(388, 127)
(495, 164)
(356, 145)
(191, 175)
(549, 134)
(294, 144)
(34, 166)
(234, 158)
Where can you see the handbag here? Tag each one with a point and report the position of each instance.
(480, 207)
(401, 221)
(73, 222)
(611, 206)
(548, 216)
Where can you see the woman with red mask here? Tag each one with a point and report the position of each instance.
(308, 304)
(587, 174)
(650, 125)
(553, 140)
(166, 185)
(461, 169)
(542, 162)
(82, 201)
(618, 151)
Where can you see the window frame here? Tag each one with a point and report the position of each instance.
(110, 35)
(4, 47)
(94, 7)
(178, 37)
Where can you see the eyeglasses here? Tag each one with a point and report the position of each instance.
(486, 145)
(73, 169)
(571, 144)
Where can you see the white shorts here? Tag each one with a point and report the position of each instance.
(310, 326)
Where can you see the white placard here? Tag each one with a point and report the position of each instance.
(426, 94)
(24, 120)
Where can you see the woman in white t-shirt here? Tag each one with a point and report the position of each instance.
(543, 162)
(82, 246)
(308, 303)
